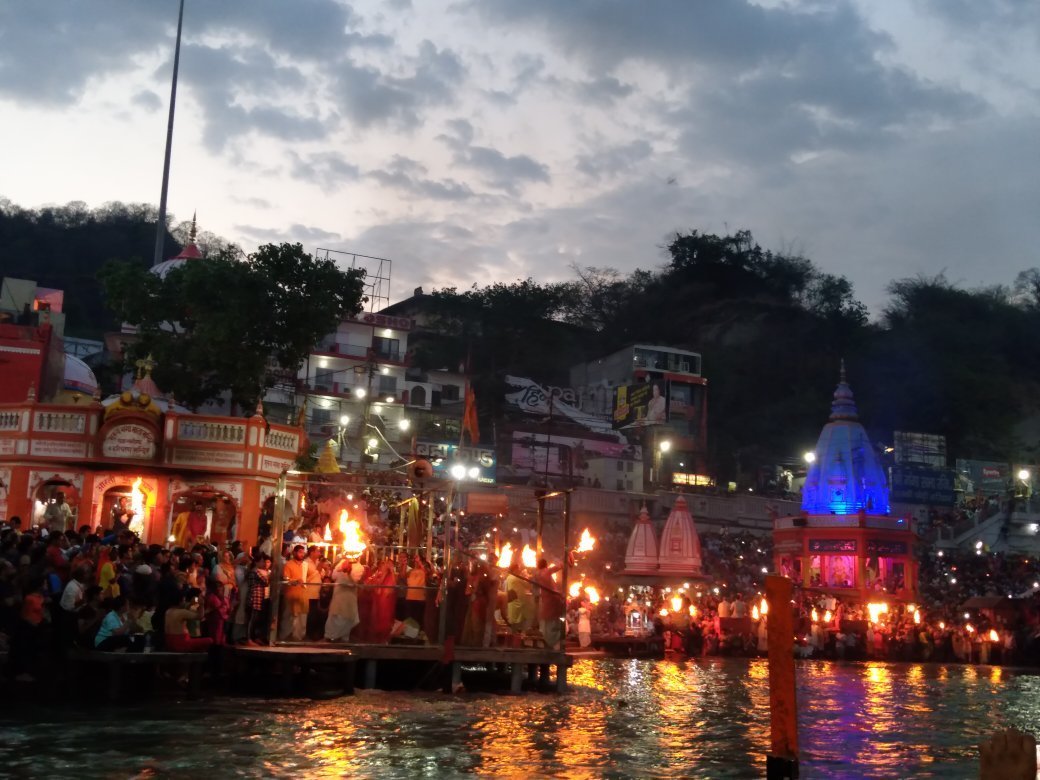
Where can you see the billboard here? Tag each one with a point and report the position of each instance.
(986, 476)
(645, 403)
(918, 485)
(585, 459)
(443, 455)
(920, 449)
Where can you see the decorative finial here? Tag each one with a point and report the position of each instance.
(843, 406)
(259, 407)
(32, 392)
(193, 232)
(841, 378)
(145, 366)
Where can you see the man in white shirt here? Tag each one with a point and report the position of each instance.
(58, 516)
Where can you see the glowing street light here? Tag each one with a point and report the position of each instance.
(810, 457)
(458, 471)
(404, 424)
(1024, 475)
(359, 392)
(344, 419)
(665, 446)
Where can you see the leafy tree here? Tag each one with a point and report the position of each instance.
(217, 325)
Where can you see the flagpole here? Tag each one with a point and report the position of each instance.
(160, 227)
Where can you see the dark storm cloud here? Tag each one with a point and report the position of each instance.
(49, 51)
(764, 83)
(497, 170)
(372, 97)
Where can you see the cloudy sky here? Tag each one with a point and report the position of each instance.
(480, 140)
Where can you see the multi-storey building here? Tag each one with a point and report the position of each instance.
(656, 395)
(362, 392)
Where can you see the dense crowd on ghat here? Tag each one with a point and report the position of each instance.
(104, 590)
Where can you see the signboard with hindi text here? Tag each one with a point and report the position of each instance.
(444, 455)
(131, 441)
(916, 485)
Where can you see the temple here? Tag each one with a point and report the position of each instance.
(845, 540)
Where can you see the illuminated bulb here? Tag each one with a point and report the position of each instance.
(359, 392)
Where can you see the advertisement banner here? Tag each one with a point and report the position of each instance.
(914, 485)
(986, 476)
(540, 453)
(640, 404)
(920, 449)
(444, 455)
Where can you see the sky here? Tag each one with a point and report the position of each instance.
(471, 141)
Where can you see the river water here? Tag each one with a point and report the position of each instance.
(703, 718)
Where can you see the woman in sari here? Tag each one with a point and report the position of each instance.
(384, 601)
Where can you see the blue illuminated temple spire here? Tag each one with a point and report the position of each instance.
(846, 476)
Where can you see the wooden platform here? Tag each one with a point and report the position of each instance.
(187, 663)
(430, 660)
(318, 671)
(630, 646)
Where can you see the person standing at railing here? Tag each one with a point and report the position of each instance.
(343, 609)
(295, 599)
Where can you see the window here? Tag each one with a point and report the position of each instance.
(620, 485)
(449, 392)
(418, 397)
(387, 385)
(321, 416)
(620, 465)
(387, 348)
(323, 378)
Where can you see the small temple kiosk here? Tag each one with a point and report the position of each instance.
(674, 561)
(845, 541)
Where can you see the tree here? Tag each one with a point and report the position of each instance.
(217, 325)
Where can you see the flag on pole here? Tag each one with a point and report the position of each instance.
(469, 416)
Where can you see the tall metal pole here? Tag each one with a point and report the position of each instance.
(160, 227)
(277, 529)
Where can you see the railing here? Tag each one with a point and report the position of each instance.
(10, 421)
(281, 440)
(211, 432)
(60, 422)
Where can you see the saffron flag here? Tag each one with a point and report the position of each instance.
(469, 417)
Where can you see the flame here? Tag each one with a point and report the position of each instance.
(303, 502)
(588, 541)
(917, 618)
(328, 532)
(693, 611)
(663, 612)
(676, 603)
(911, 608)
(529, 557)
(574, 590)
(754, 613)
(970, 628)
(876, 609)
(942, 626)
(505, 557)
(592, 593)
(815, 615)
(353, 544)
(137, 505)
(993, 636)
(827, 616)
(764, 607)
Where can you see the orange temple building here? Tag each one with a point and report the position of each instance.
(144, 448)
(846, 541)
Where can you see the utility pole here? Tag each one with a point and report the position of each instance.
(160, 226)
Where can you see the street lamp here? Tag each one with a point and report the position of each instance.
(404, 424)
(1024, 475)
(458, 471)
(359, 392)
(344, 419)
(373, 443)
(665, 446)
(810, 457)
(474, 472)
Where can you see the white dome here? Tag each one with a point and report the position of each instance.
(680, 545)
(641, 555)
(163, 268)
(78, 376)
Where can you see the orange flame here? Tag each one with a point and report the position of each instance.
(993, 636)
(137, 505)
(970, 628)
(328, 532)
(814, 615)
(754, 613)
(574, 590)
(592, 593)
(303, 502)
(529, 557)
(353, 544)
(676, 603)
(764, 607)
(588, 541)
(917, 617)
(663, 612)
(693, 611)
(827, 616)
(505, 557)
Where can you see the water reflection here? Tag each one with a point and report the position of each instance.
(699, 718)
